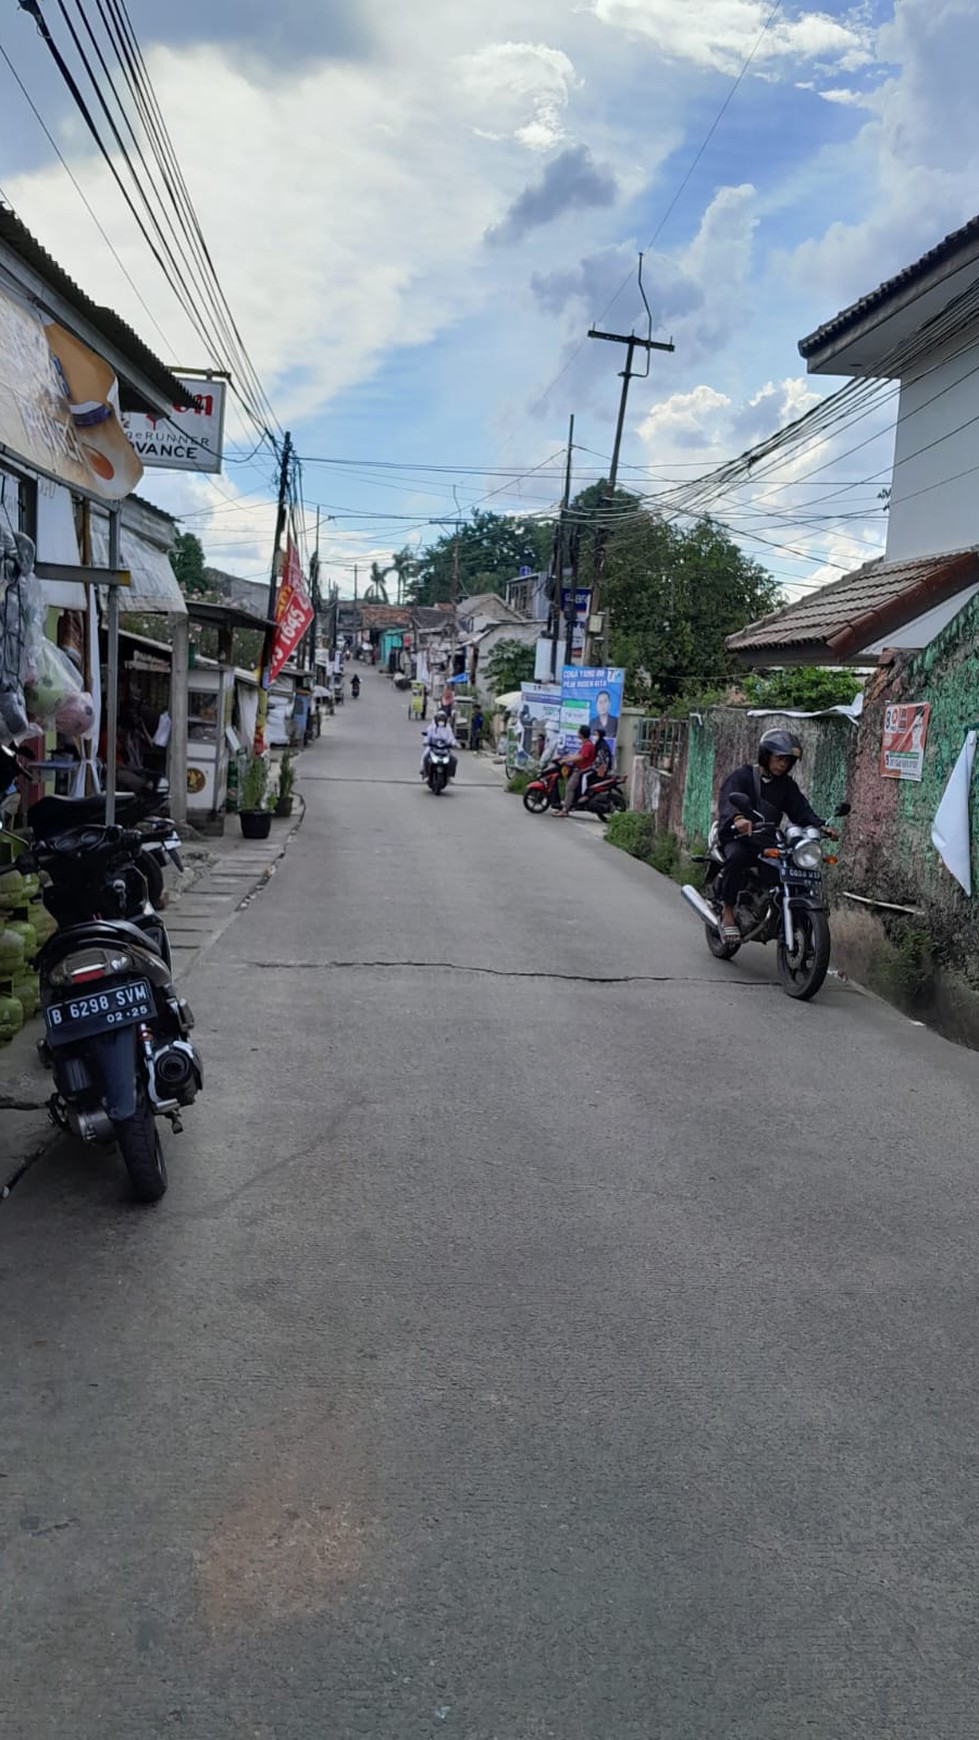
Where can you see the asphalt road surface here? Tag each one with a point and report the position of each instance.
(549, 1330)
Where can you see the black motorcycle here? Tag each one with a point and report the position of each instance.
(781, 900)
(117, 1036)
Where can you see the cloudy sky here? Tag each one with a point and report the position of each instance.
(417, 212)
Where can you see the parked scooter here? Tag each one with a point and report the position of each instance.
(116, 1033)
(602, 793)
(781, 900)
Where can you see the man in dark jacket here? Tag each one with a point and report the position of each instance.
(772, 792)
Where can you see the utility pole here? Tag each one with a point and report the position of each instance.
(267, 648)
(557, 565)
(632, 343)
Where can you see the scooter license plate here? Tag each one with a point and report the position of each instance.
(99, 1011)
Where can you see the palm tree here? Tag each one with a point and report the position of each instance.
(405, 565)
(375, 591)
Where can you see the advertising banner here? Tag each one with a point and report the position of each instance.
(902, 753)
(59, 406)
(539, 720)
(582, 611)
(191, 438)
(293, 612)
(591, 695)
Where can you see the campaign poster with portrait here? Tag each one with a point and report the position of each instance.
(591, 695)
(902, 750)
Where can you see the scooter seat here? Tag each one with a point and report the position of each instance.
(51, 814)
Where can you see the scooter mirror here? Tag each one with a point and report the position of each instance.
(842, 810)
(742, 800)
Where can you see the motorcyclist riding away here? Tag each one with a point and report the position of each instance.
(439, 732)
(774, 793)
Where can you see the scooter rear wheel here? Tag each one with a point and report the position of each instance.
(142, 1153)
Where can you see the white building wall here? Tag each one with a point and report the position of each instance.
(934, 504)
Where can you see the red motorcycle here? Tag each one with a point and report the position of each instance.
(602, 793)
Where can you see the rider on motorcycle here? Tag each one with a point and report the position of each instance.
(774, 794)
(439, 732)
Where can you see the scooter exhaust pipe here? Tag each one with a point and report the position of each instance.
(700, 906)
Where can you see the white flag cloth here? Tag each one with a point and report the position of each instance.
(950, 830)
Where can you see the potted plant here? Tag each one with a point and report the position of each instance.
(287, 779)
(253, 812)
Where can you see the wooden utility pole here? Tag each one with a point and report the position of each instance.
(632, 343)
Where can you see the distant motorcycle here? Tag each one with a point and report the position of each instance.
(439, 769)
(602, 794)
(117, 1036)
(781, 900)
(354, 688)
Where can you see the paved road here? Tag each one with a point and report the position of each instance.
(549, 1331)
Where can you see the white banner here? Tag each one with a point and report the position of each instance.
(191, 438)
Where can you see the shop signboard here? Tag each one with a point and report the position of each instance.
(902, 752)
(59, 406)
(191, 437)
(293, 612)
(591, 695)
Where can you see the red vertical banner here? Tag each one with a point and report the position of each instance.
(293, 612)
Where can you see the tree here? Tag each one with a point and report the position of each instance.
(673, 597)
(376, 592)
(492, 550)
(187, 562)
(509, 664)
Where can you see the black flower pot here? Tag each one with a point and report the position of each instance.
(255, 824)
(283, 806)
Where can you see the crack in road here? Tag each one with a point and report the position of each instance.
(508, 973)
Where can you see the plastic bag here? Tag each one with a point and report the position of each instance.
(51, 684)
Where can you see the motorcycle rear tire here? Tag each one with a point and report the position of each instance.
(803, 981)
(536, 803)
(721, 950)
(142, 1153)
(617, 800)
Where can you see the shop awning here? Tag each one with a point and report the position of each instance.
(154, 584)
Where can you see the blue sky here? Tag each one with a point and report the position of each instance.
(417, 213)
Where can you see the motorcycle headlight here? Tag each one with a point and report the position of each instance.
(807, 854)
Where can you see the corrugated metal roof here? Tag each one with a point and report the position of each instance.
(956, 242)
(15, 236)
(859, 607)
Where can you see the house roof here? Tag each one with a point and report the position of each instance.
(384, 615)
(960, 245)
(490, 603)
(837, 623)
(130, 347)
(431, 619)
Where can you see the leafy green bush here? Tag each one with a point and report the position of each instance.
(510, 664)
(636, 834)
(808, 687)
(632, 831)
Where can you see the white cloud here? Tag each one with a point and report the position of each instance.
(721, 34)
(519, 90)
(914, 168)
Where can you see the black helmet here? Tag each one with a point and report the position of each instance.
(778, 743)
